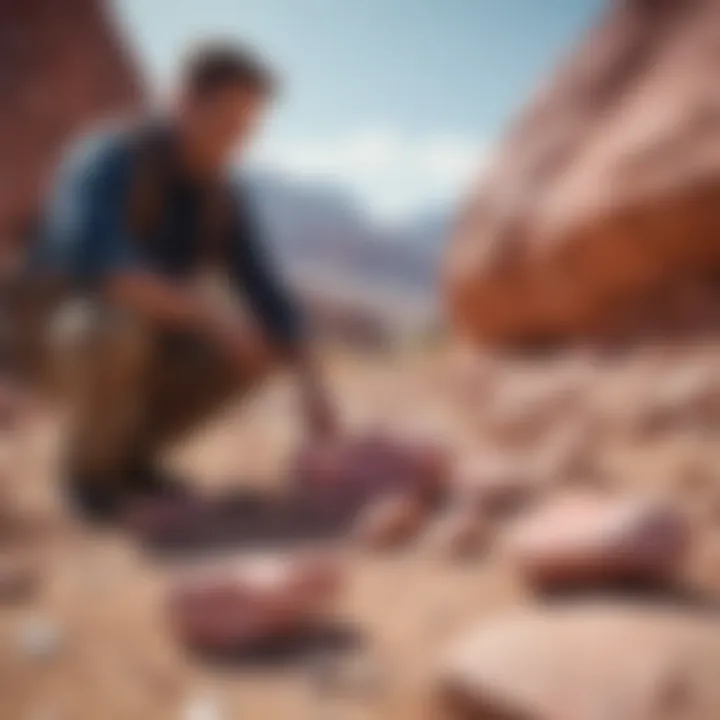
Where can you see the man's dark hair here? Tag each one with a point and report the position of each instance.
(217, 66)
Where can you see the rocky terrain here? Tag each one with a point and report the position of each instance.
(551, 553)
(93, 631)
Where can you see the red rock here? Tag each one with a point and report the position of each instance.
(602, 200)
(585, 662)
(586, 539)
(348, 473)
(391, 521)
(252, 602)
(63, 67)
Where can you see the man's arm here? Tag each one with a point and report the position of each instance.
(279, 315)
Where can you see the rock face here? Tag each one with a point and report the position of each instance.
(584, 663)
(581, 538)
(600, 213)
(62, 66)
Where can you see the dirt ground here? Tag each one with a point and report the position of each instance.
(92, 642)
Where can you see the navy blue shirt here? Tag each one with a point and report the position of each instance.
(86, 233)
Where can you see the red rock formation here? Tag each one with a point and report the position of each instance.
(603, 199)
(62, 66)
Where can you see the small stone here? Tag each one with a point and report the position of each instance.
(231, 606)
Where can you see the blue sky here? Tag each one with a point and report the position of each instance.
(399, 101)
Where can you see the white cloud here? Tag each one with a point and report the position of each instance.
(393, 175)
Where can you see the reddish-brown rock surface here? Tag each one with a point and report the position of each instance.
(600, 212)
(62, 66)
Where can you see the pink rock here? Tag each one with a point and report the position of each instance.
(252, 602)
(583, 538)
(348, 473)
(587, 662)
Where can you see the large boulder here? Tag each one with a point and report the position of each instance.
(601, 208)
(584, 663)
(62, 66)
(583, 538)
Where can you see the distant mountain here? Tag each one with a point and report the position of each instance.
(318, 233)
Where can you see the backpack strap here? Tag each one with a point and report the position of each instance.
(151, 182)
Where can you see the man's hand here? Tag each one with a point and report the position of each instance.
(319, 411)
(321, 417)
(177, 307)
(245, 346)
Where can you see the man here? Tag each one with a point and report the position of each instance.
(132, 227)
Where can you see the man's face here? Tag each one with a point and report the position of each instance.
(222, 123)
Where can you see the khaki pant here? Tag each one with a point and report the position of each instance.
(132, 388)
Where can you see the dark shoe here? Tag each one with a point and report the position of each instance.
(145, 481)
(94, 499)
